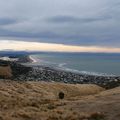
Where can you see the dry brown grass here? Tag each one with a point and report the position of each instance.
(40, 101)
(5, 71)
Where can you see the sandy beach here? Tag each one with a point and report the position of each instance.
(33, 60)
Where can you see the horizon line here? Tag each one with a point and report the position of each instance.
(15, 45)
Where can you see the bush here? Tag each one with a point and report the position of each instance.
(97, 116)
(61, 95)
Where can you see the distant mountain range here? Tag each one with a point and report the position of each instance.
(12, 53)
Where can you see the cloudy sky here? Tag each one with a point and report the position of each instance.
(84, 23)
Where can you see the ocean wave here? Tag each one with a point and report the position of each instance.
(39, 61)
(62, 64)
(33, 59)
(62, 67)
(96, 73)
(65, 67)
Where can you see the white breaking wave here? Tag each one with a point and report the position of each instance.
(96, 73)
(33, 59)
(62, 64)
(62, 67)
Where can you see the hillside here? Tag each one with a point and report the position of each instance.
(40, 101)
(5, 71)
(11, 70)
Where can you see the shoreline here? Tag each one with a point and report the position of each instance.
(74, 71)
(29, 72)
(32, 59)
(84, 72)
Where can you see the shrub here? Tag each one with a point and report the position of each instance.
(97, 116)
(61, 95)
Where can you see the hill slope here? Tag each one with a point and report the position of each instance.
(5, 72)
(39, 101)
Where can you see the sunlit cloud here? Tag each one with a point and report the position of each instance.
(36, 46)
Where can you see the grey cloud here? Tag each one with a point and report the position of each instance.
(67, 19)
(75, 22)
(52, 37)
(7, 21)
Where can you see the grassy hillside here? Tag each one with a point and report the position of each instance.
(40, 101)
(5, 71)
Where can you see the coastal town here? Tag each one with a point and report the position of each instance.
(18, 72)
(41, 73)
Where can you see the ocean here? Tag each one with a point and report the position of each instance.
(101, 64)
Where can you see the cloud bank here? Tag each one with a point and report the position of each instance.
(73, 22)
(36, 46)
